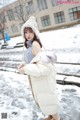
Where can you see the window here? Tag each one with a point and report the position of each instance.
(30, 7)
(59, 17)
(54, 2)
(19, 11)
(42, 4)
(14, 28)
(45, 20)
(2, 18)
(74, 13)
(10, 14)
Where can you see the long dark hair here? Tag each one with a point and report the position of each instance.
(34, 39)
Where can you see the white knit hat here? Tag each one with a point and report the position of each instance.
(31, 22)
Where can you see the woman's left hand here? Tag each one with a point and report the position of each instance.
(21, 70)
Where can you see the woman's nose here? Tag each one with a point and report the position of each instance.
(28, 34)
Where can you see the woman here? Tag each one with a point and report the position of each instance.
(41, 71)
(31, 38)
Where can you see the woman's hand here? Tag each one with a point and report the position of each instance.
(21, 65)
(21, 70)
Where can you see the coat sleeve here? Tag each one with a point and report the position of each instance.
(36, 70)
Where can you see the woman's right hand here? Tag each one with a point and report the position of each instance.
(21, 65)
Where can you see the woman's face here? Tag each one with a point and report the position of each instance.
(29, 34)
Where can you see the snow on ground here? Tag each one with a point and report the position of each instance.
(16, 99)
(61, 41)
(62, 38)
(15, 95)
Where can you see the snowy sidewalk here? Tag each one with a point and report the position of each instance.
(16, 99)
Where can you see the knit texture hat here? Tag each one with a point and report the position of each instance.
(31, 22)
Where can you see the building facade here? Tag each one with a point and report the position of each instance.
(50, 14)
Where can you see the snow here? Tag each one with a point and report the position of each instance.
(63, 38)
(16, 99)
(15, 95)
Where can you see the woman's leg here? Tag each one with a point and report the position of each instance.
(49, 117)
(53, 117)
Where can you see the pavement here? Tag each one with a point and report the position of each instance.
(16, 99)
